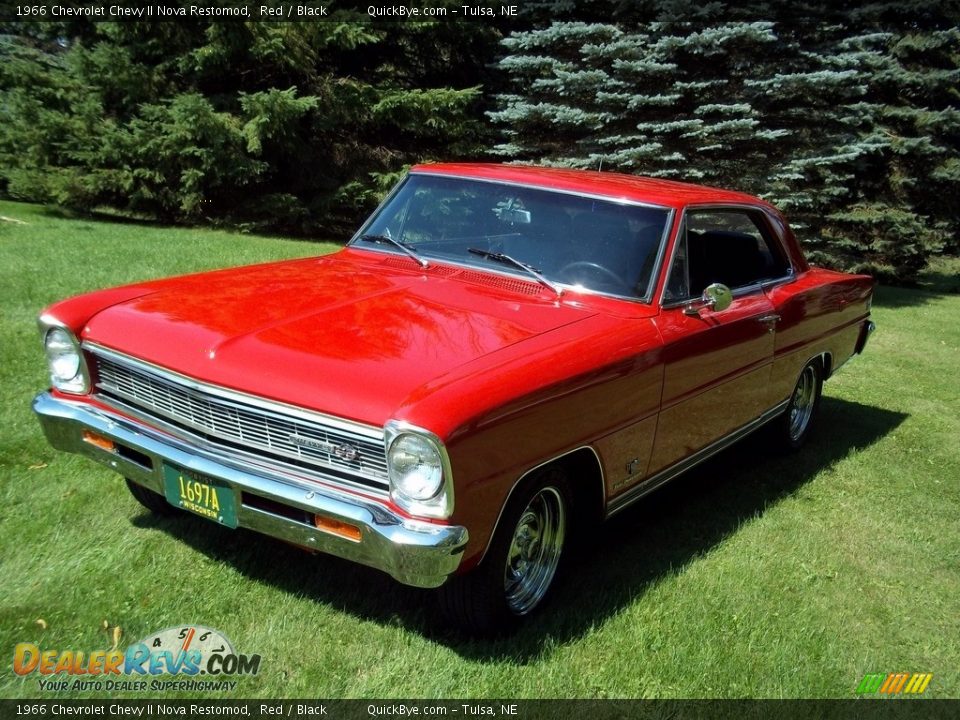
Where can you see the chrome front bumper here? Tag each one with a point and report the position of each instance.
(415, 553)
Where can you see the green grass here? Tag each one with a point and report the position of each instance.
(755, 575)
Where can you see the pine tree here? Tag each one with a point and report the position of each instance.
(844, 118)
(289, 125)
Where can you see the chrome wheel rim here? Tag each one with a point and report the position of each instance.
(534, 551)
(801, 404)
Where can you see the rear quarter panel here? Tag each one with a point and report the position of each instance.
(821, 311)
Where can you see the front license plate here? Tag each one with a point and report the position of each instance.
(200, 494)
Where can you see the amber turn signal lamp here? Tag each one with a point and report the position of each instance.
(98, 440)
(335, 527)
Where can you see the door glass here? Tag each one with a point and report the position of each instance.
(723, 246)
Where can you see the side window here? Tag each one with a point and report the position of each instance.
(723, 246)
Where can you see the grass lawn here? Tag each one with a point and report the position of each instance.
(755, 575)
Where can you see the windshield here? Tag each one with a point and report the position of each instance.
(573, 241)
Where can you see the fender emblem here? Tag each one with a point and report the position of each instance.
(344, 452)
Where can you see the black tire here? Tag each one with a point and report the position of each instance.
(521, 565)
(792, 429)
(154, 502)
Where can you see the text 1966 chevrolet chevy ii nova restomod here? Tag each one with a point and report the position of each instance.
(499, 354)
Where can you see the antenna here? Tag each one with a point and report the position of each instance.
(600, 169)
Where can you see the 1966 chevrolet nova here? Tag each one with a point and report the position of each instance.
(500, 355)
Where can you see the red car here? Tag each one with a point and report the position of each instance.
(501, 354)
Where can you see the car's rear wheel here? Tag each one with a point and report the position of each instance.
(154, 502)
(794, 426)
(522, 562)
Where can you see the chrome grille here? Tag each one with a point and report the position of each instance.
(355, 454)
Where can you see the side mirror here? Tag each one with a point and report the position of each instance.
(717, 297)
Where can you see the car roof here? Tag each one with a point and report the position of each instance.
(669, 193)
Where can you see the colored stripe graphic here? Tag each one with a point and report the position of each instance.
(871, 682)
(918, 683)
(894, 683)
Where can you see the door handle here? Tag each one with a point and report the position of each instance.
(770, 321)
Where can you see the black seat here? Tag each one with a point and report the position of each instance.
(720, 256)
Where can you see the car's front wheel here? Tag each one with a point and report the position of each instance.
(154, 502)
(521, 564)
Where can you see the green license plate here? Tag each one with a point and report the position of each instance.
(199, 494)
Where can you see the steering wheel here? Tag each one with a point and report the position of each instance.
(595, 268)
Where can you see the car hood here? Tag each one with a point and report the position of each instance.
(353, 334)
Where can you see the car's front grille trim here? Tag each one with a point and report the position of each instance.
(234, 422)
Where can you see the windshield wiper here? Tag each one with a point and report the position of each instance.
(387, 240)
(507, 260)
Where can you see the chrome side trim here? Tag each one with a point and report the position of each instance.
(527, 474)
(790, 277)
(664, 476)
(413, 552)
(744, 291)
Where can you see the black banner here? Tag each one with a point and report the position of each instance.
(891, 709)
(268, 10)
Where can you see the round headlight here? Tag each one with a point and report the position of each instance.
(416, 469)
(63, 355)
